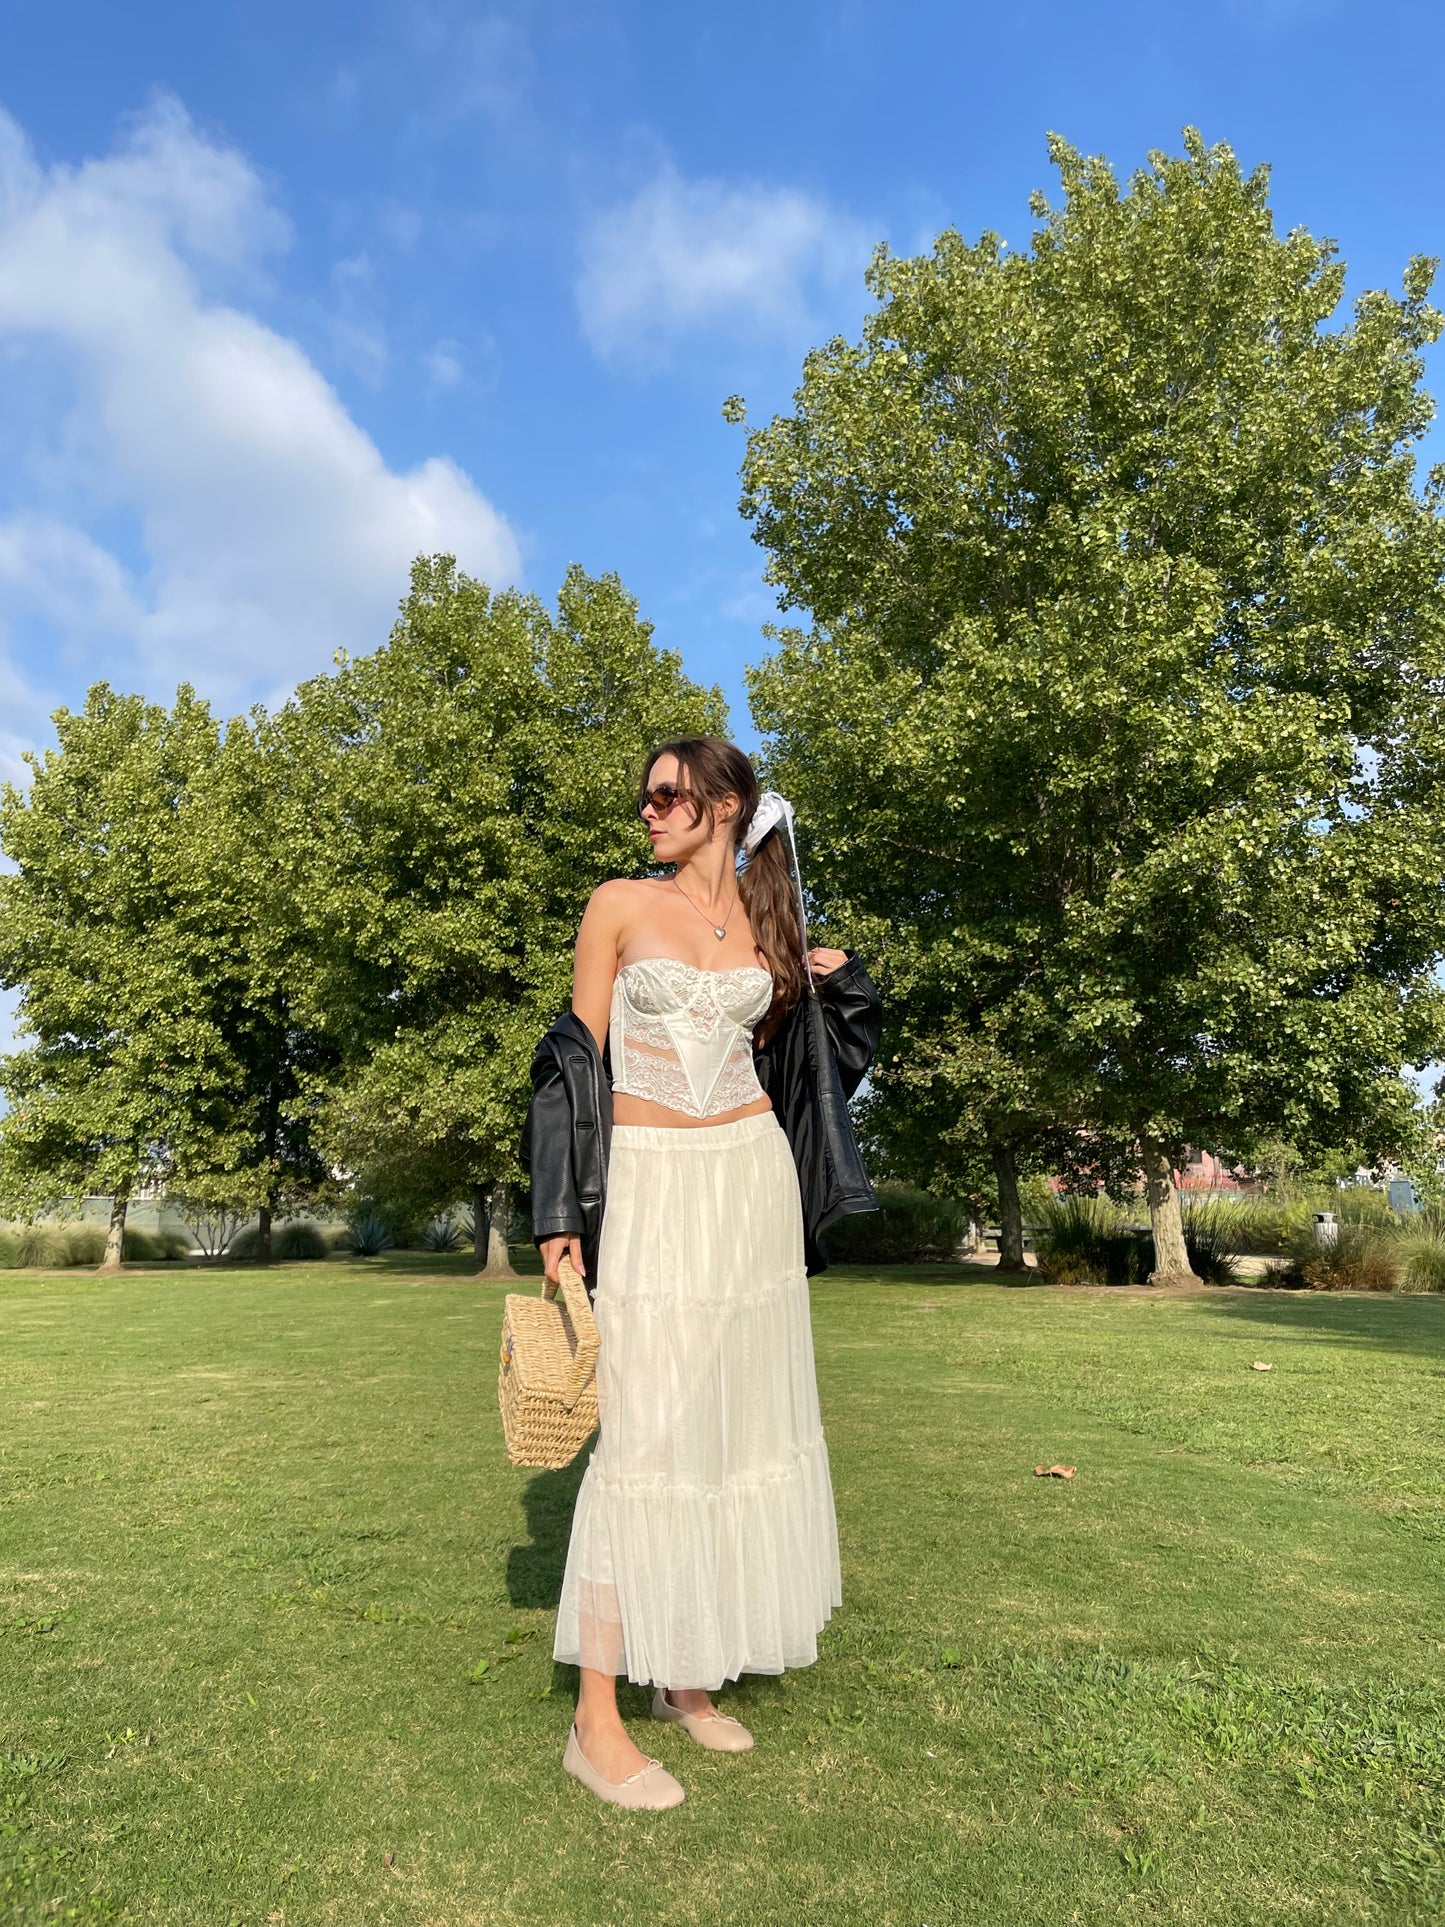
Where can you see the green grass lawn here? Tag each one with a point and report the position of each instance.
(276, 1618)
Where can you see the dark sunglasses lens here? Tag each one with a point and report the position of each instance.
(661, 799)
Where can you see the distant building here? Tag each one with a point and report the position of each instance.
(1203, 1171)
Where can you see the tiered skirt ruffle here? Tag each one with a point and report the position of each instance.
(704, 1543)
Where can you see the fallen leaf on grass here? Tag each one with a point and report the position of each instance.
(1260, 1366)
(1054, 1471)
(388, 1859)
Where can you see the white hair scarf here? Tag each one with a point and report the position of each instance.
(772, 811)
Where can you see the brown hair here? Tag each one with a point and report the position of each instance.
(709, 770)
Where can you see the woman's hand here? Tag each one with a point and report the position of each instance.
(825, 962)
(552, 1250)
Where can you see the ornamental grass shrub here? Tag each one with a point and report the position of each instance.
(1086, 1241)
(57, 1244)
(1358, 1204)
(300, 1239)
(42, 1247)
(1213, 1232)
(39, 1247)
(1361, 1257)
(1422, 1251)
(909, 1227)
(1263, 1227)
(142, 1247)
(50, 1245)
(291, 1240)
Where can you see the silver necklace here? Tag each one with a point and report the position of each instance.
(718, 930)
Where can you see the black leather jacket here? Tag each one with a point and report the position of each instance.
(809, 1068)
(567, 1138)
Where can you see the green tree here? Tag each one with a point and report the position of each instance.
(241, 925)
(465, 788)
(1117, 728)
(151, 927)
(113, 1078)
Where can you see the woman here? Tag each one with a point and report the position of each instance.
(704, 1542)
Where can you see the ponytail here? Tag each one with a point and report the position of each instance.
(770, 898)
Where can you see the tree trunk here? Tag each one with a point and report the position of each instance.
(115, 1237)
(479, 1225)
(273, 1132)
(499, 1263)
(1166, 1220)
(1010, 1216)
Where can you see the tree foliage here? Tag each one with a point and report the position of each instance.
(149, 936)
(112, 1081)
(1117, 729)
(459, 793)
(257, 961)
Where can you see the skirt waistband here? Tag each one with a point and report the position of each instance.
(694, 1137)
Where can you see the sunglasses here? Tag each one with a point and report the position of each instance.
(663, 798)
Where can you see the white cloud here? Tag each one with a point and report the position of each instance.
(443, 365)
(682, 256)
(479, 64)
(752, 604)
(268, 527)
(357, 337)
(23, 717)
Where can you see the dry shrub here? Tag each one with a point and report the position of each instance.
(1361, 1258)
(1067, 1269)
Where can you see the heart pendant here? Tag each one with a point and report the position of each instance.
(719, 934)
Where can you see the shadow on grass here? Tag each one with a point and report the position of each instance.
(1402, 1322)
(534, 1571)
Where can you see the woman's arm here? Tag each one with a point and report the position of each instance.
(594, 967)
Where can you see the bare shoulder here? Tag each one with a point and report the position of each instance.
(619, 895)
(619, 889)
(614, 904)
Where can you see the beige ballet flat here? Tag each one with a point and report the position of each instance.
(651, 1786)
(719, 1732)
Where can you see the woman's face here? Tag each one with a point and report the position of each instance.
(675, 837)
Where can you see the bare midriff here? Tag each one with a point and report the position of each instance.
(641, 1110)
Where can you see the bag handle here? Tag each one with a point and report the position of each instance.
(582, 1334)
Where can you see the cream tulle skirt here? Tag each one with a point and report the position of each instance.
(704, 1543)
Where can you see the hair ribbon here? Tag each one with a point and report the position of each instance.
(772, 811)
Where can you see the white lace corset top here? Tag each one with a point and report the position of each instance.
(682, 1036)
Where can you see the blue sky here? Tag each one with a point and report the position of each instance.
(289, 292)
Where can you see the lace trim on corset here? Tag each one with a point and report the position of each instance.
(682, 1036)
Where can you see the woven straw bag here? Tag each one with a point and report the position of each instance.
(546, 1384)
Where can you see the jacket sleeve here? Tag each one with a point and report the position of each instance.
(853, 1014)
(546, 1151)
